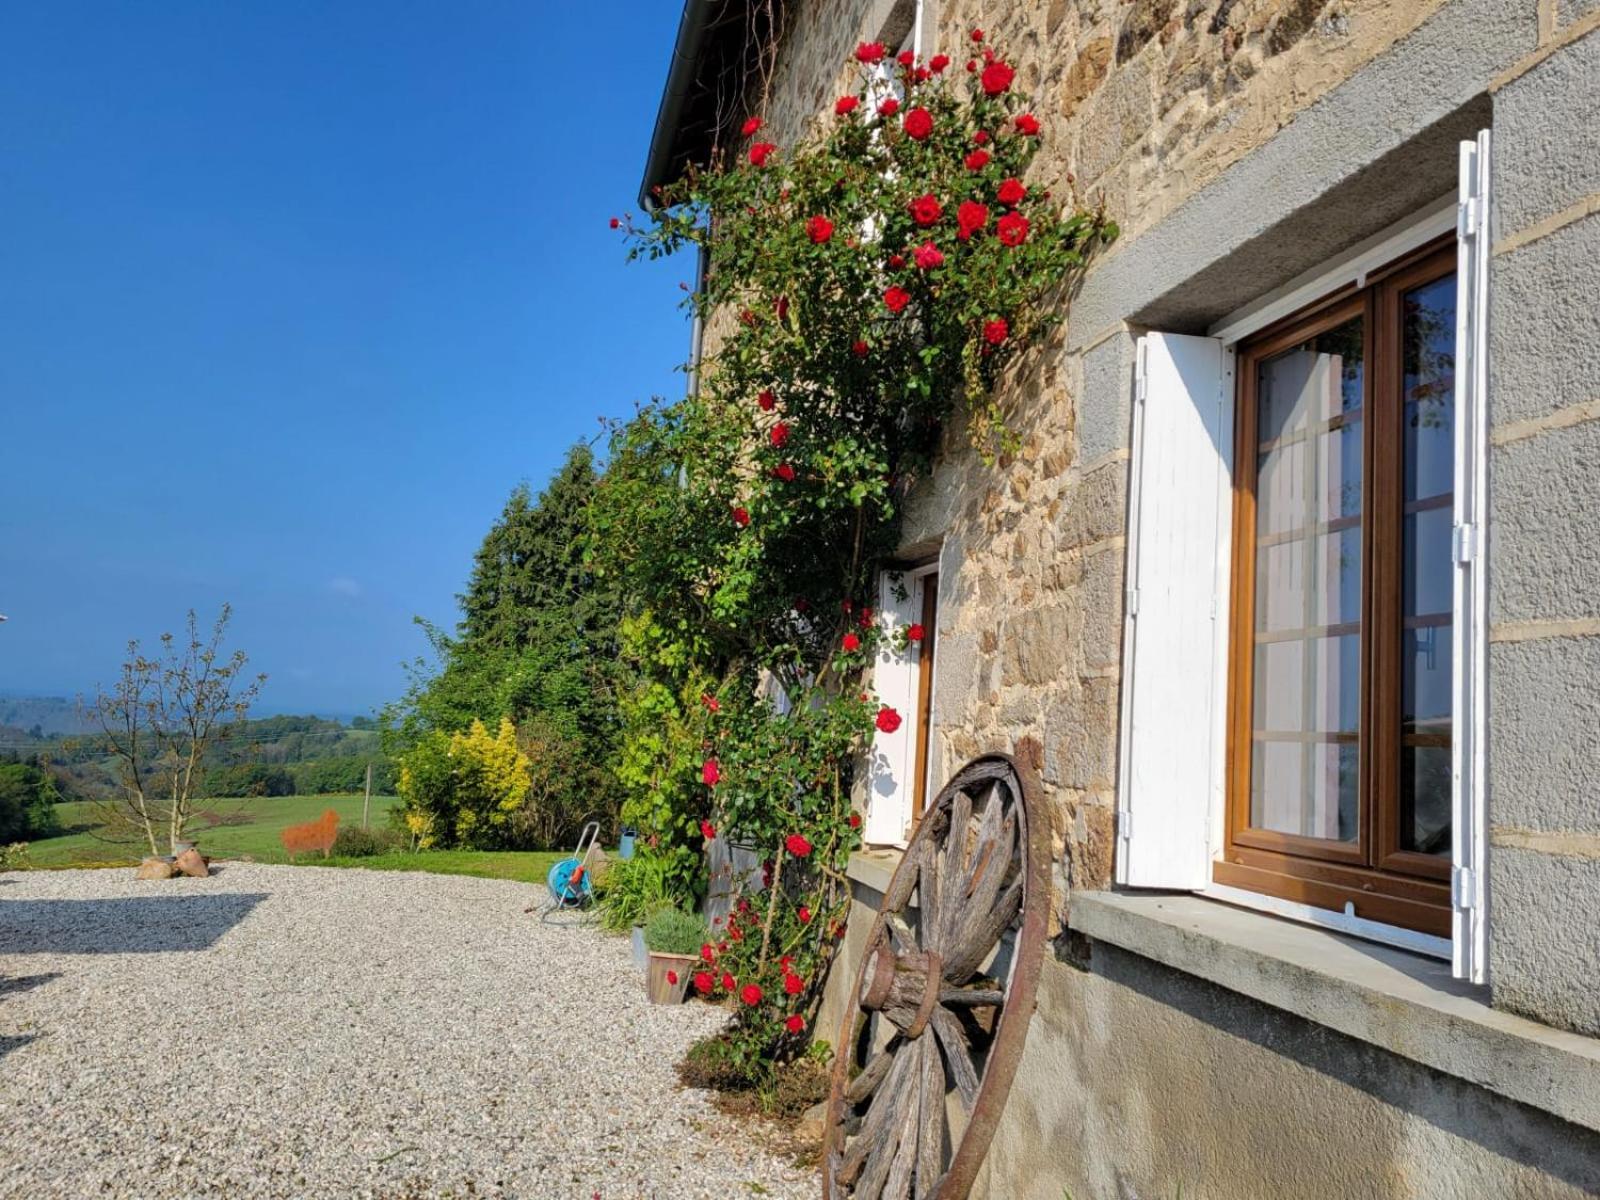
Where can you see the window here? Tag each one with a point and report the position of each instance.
(898, 776)
(1305, 637)
(1339, 755)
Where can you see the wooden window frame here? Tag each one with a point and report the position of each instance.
(1379, 881)
(926, 652)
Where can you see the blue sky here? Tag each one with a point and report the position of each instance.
(291, 296)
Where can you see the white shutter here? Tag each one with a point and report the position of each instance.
(1469, 628)
(894, 678)
(1173, 654)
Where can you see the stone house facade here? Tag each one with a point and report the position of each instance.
(1292, 593)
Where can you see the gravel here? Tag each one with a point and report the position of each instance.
(309, 1032)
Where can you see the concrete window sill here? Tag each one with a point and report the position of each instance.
(874, 868)
(1404, 1003)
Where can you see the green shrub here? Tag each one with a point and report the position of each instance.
(355, 842)
(673, 931)
(633, 889)
(27, 803)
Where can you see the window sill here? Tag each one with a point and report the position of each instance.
(874, 868)
(1401, 1002)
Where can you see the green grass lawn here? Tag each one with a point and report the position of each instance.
(257, 838)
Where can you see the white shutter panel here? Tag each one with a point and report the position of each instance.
(1469, 628)
(1179, 522)
(894, 678)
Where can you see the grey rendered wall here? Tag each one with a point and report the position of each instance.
(1544, 537)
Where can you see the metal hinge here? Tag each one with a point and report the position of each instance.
(1463, 888)
(1141, 373)
(1125, 826)
(1465, 544)
(1133, 602)
(1468, 215)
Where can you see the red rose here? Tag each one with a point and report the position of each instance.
(855, 820)
(866, 617)
(977, 35)
(870, 52)
(795, 1024)
(906, 58)
(1013, 229)
(859, 348)
(996, 78)
(925, 210)
(851, 643)
(897, 298)
(615, 223)
(703, 983)
(760, 152)
(750, 994)
(750, 126)
(819, 229)
(1028, 123)
(977, 160)
(741, 517)
(928, 256)
(972, 218)
(778, 434)
(784, 472)
(746, 317)
(888, 107)
(767, 401)
(727, 982)
(804, 914)
(710, 773)
(981, 138)
(896, 261)
(888, 720)
(915, 633)
(1011, 192)
(797, 845)
(711, 703)
(922, 75)
(995, 332)
(672, 978)
(793, 985)
(708, 952)
(972, 65)
(918, 124)
(938, 63)
(846, 105)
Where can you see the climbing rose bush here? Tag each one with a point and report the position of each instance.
(864, 286)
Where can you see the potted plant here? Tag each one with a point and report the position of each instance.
(673, 938)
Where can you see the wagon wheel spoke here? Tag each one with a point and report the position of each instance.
(950, 979)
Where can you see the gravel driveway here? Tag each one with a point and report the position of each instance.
(295, 1031)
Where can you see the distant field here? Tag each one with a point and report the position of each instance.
(265, 818)
(259, 840)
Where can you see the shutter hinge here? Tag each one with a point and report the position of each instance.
(1125, 826)
(1467, 218)
(1463, 888)
(1465, 548)
(1141, 373)
(1133, 602)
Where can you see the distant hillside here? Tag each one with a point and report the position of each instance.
(42, 715)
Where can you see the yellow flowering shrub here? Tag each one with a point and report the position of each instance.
(465, 788)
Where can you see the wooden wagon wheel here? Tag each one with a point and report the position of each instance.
(934, 1029)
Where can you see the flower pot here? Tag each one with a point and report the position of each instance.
(641, 953)
(657, 985)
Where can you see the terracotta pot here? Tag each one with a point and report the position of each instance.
(658, 987)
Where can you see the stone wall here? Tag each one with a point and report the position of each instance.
(1544, 528)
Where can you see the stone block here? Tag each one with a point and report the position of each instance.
(154, 868)
(1544, 343)
(1544, 526)
(1549, 155)
(1543, 754)
(1568, 11)
(191, 863)
(1037, 645)
(1101, 600)
(958, 678)
(1544, 957)
(1114, 118)
(1105, 407)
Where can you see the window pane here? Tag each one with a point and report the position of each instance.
(1307, 702)
(1428, 339)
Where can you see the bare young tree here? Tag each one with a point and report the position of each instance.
(159, 720)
